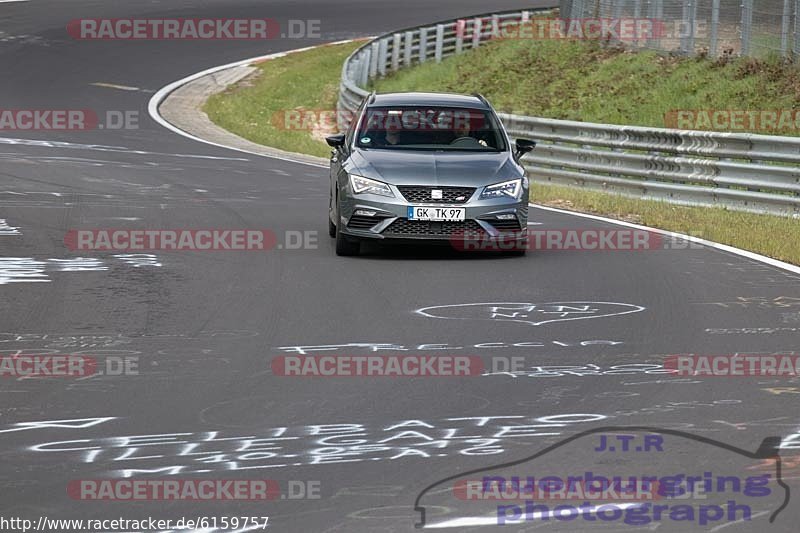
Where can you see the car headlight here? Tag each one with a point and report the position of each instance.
(509, 189)
(362, 185)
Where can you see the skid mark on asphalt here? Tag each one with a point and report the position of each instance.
(30, 270)
(6, 229)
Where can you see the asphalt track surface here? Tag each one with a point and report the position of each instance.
(205, 327)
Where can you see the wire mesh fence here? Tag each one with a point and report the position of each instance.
(756, 28)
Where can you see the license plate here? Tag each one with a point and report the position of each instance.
(437, 214)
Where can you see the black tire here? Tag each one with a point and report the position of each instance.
(344, 245)
(520, 249)
(331, 225)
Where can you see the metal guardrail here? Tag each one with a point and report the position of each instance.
(746, 172)
(402, 48)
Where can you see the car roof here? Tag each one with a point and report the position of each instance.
(432, 99)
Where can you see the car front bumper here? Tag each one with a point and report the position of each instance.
(375, 217)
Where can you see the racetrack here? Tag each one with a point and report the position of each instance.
(205, 327)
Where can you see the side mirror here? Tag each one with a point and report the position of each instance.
(335, 141)
(523, 146)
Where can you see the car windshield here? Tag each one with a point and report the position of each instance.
(430, 128)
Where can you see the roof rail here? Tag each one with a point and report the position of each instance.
(483, 99)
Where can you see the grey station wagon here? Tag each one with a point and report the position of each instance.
(427, 167)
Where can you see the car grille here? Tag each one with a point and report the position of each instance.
(363, 222)
(422, 194)
(505, 225)
(402, 227)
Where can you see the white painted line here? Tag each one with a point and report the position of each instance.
(161, 95)
(104, 148)
(6, 229)
(115, 86)
(724, 247)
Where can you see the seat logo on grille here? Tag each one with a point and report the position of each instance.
(436, 194)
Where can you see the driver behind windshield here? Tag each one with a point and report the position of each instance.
(429, 128)
(463, 134)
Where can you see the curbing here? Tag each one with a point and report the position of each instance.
(178, 107)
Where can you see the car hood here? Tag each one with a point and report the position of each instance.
(406, 167)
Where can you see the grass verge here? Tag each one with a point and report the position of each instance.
(591, 83)
(309, 80)
(773, 236)
(256, 107)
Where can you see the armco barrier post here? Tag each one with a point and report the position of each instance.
(637, 14)
(747, 26)
(686, 29)
(364, 74)
(373, 59)
(423, 44)
(396, 40)
(786, 21)
(616, 9)
(650, 13)
(658, 14)
(383, 53)
(477, 28)
(576, 12)
(797, 27)
(356, 67)
(437, 54)
(685, 26)
(713, 45)
(408, 47)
